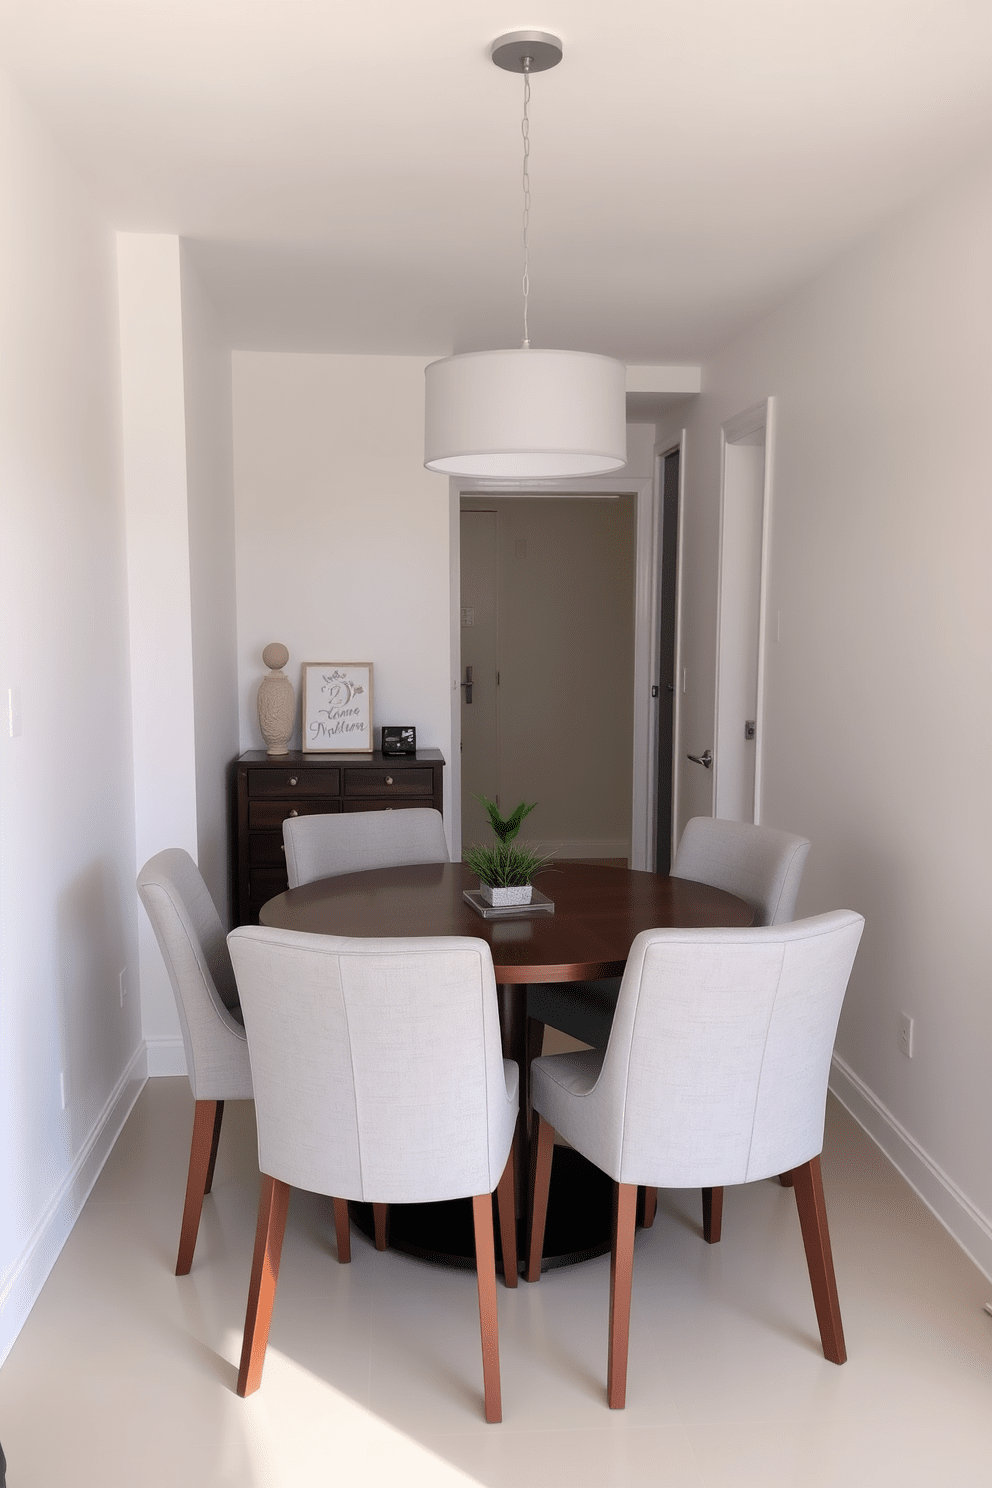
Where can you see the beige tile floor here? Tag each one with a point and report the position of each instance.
(125, 1374)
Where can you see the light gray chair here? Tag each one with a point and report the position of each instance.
(759, 864)
(325, 846)
(356, 841)
(715, 1073)
(379, 1077)
(191, 939)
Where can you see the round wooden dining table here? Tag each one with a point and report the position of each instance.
(598, 911)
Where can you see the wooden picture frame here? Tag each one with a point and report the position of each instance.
(337, 707)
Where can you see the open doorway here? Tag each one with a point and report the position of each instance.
(547, 627)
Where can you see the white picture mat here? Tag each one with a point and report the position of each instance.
(337, 707)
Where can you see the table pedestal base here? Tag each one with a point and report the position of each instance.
(578, 1225)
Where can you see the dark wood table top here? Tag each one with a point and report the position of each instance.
(598, 912)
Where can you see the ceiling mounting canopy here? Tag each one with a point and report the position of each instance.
(543, 50)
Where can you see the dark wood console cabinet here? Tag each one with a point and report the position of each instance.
(268, 788)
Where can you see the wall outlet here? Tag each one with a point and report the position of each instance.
(906, 1034)
(123, 984)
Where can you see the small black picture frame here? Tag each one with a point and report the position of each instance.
(399, 738)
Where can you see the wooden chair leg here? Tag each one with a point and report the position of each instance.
(506, 1200)
(535, 1039)
(215, 1143)
(785, 1179)
(485, 1266)
(621, 1277)
(807, 1181)
(342, 1231)
(202, 1154)
(273, 1206)
(380, 1219)
(650, 1206)
(712, 1215)
(541, 1151)
(534, 1047)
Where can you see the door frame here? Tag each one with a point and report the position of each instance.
(661, 452)
(647, 495)
(761, 416)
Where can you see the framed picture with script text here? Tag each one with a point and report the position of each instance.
(337, 707)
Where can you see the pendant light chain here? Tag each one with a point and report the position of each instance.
(525, 131)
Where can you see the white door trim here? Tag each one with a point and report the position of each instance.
(758, 419)
(645, 639)
(766, 533)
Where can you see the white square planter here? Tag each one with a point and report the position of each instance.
(519, 895)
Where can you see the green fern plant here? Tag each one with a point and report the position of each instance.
(505, 865)
(505, 827)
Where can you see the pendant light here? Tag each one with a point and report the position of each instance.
(526, 414)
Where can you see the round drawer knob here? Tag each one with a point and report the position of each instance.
(293, 780)
(294, 813)
(389, 779)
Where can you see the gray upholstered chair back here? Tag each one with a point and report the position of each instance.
(716, 1070)
(759, 864)
(191, 938)
(377, 1064)
(324, 846)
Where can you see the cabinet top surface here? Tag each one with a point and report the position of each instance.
(304, 757)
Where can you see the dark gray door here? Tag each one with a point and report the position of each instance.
(666, 654)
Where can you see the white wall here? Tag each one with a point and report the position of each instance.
(342, 535)
(878, 724)
(67, 910)
(154, 443)
(213, 616)
(178, 479)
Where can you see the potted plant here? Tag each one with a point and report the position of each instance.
(505, 869)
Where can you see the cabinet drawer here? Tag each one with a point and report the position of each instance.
(265, 884)
(266, 850)
(387, 803)
(298, 782)
(389, 783)
(274, 813)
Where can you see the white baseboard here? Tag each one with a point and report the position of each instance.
(943, 1198)
(166, 1056)
(587, 848)
(20, 1288)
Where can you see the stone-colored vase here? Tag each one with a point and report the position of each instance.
(519, 894)
(276, 701)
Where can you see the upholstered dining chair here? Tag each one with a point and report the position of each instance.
(715, 1073)
(353, 842)
(379, 1076)
(191, 939)
(759, 864)
(325, 846)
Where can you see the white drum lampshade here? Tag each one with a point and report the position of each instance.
(527, 414)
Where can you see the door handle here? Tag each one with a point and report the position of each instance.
(467, 684)
(705, 759)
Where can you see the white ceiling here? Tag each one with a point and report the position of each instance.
(350, 174)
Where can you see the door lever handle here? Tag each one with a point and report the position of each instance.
(705, 759)
(467, 684)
